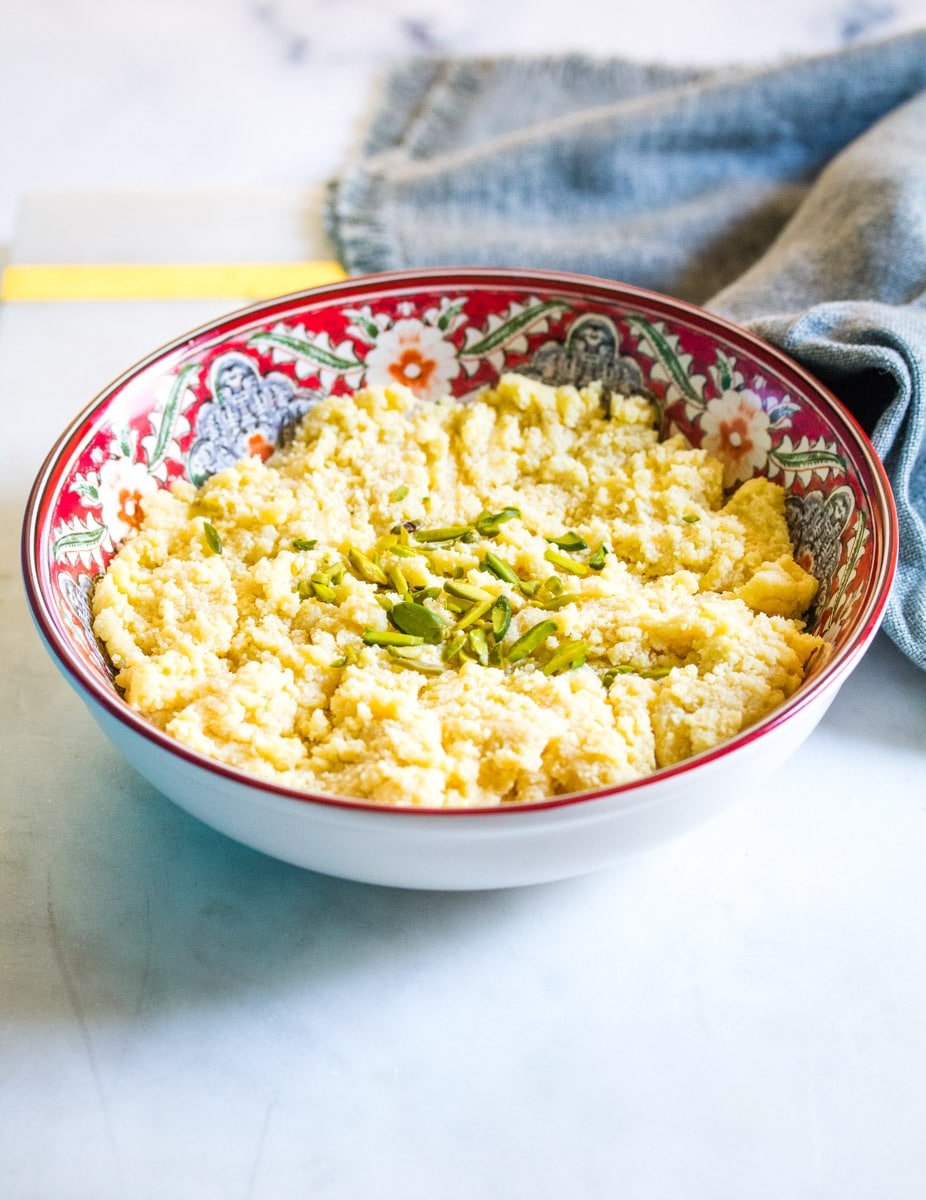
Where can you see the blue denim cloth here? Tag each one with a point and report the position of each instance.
(791, 199)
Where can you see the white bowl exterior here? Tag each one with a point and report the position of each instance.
(468, 850)
(463, 851)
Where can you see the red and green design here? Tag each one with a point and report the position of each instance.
(237, 386)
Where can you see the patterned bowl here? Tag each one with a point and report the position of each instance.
(235, 386)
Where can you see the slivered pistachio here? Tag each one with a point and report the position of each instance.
(332, 572)
(304, 589)
(305, 543)
(596, 560)
(476, 613)
(691, 518)
(488, 523)
(446, 533)
(495, 657)
(479, 645)
(501, 617)
(529, 587)
(413, 618)
(457, 606)
(466, 591)
(532, 640)
(566, 657)
(569, 541)
(383, 601)
(365, 567)
(390, 637)
(399, 494)
(408, 658)
(213, 541)
(569, 565)
(453, 647)
(499, 568)
(397, 579)
(559, 601)
(643, 672)
(554, 585)
(325, 592)
(402, 551)
(425, 593)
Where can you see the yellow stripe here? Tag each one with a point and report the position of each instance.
(163, 281)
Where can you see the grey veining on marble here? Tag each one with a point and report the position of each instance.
(269, 93)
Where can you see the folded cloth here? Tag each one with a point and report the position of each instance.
(790, 198)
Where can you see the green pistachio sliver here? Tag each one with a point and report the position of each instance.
(554, 585)
(569, 541)
(457, 606)
(383, 601)
(691, 518)
(529, 587)
(325, 592)
(446, 533)
(501, 617)
(305, 589)
(495, 657)
(569, 565)
(499, 568)
(427, 593)
(401, 551)
(466, 591)
(305, 543)
(655, 673)
(596, 560)
(365, 567)
(413, 618)
(390, 637)
(567, 657)
(479, 645)
(401, 656)
(558, 602)
(476, 613)
(453, 647)
(612, 673)
(213, 541)
(338, 662)
(532, 640)
(399, 494)
(397, 579)
(488, 523)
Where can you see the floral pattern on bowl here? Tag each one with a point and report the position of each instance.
(239, 386)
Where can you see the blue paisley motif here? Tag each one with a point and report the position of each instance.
(250, 414)
(816, 523)
(590, 354)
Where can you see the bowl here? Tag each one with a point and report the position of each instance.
(235, 386)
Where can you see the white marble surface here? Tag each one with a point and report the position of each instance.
(740, 1014)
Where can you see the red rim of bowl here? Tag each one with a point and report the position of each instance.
(884, 527)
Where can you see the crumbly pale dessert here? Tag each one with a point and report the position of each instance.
(446, 604)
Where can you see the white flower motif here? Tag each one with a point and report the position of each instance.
(123, 483)
(365, 325)
(735, 429)
(415, 355)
